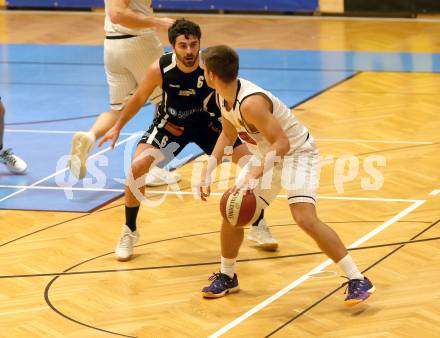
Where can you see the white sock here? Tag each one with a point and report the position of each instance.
(228, 266)
(91, 136)
(350, 268)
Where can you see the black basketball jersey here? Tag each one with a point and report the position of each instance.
(186, 99)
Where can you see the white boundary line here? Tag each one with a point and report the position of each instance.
(434, 192)
(371, 141)
(138, 133)
(62, 170)
(59, 188)
(167, 192)
(317, 269)
(45, 131)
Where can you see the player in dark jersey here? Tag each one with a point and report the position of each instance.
(188, 113)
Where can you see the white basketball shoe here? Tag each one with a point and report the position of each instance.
(157, 177)
(124, 248)
(82, 144)
(262, 236)
(14, 163)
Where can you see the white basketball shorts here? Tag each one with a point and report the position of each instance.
(297, 174)
(126, 62)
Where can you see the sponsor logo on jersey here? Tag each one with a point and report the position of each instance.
(188, 92)
(182, 114)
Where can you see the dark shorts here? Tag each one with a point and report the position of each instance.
(205, 137)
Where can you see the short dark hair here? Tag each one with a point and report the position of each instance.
(223, 61)
(183, 27)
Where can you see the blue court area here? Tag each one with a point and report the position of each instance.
(52, 91)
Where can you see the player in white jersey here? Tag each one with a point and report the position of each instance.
(130, 46)
(274, 135)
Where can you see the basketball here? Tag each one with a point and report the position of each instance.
(239, 209)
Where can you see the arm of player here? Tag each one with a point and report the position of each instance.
(257, 111)
(227, 138)
(152, 79)
(121, 14)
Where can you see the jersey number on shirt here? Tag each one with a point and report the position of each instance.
(164, 141)
(200, 81)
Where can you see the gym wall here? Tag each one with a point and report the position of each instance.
(392, 6)
(201, 5)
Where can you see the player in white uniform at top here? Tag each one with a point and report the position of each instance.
(131, 45)
(273, 135)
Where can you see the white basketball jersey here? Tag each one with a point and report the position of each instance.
(256, 142)
(138, 6)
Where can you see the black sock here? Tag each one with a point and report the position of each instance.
(1, 146)
(130, 217)
(259, 219)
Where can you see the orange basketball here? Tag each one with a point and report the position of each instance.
(239, 209)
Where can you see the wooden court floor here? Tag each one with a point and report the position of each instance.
(58, 277)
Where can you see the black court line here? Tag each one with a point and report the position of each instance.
(326, 89)
(43, 229)
(122, 204)
(398, 148)
(160, 267)
(412, 239)
(100, 64)
(75, 218)
(49, 303)
(59, 120)
(50, 121)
